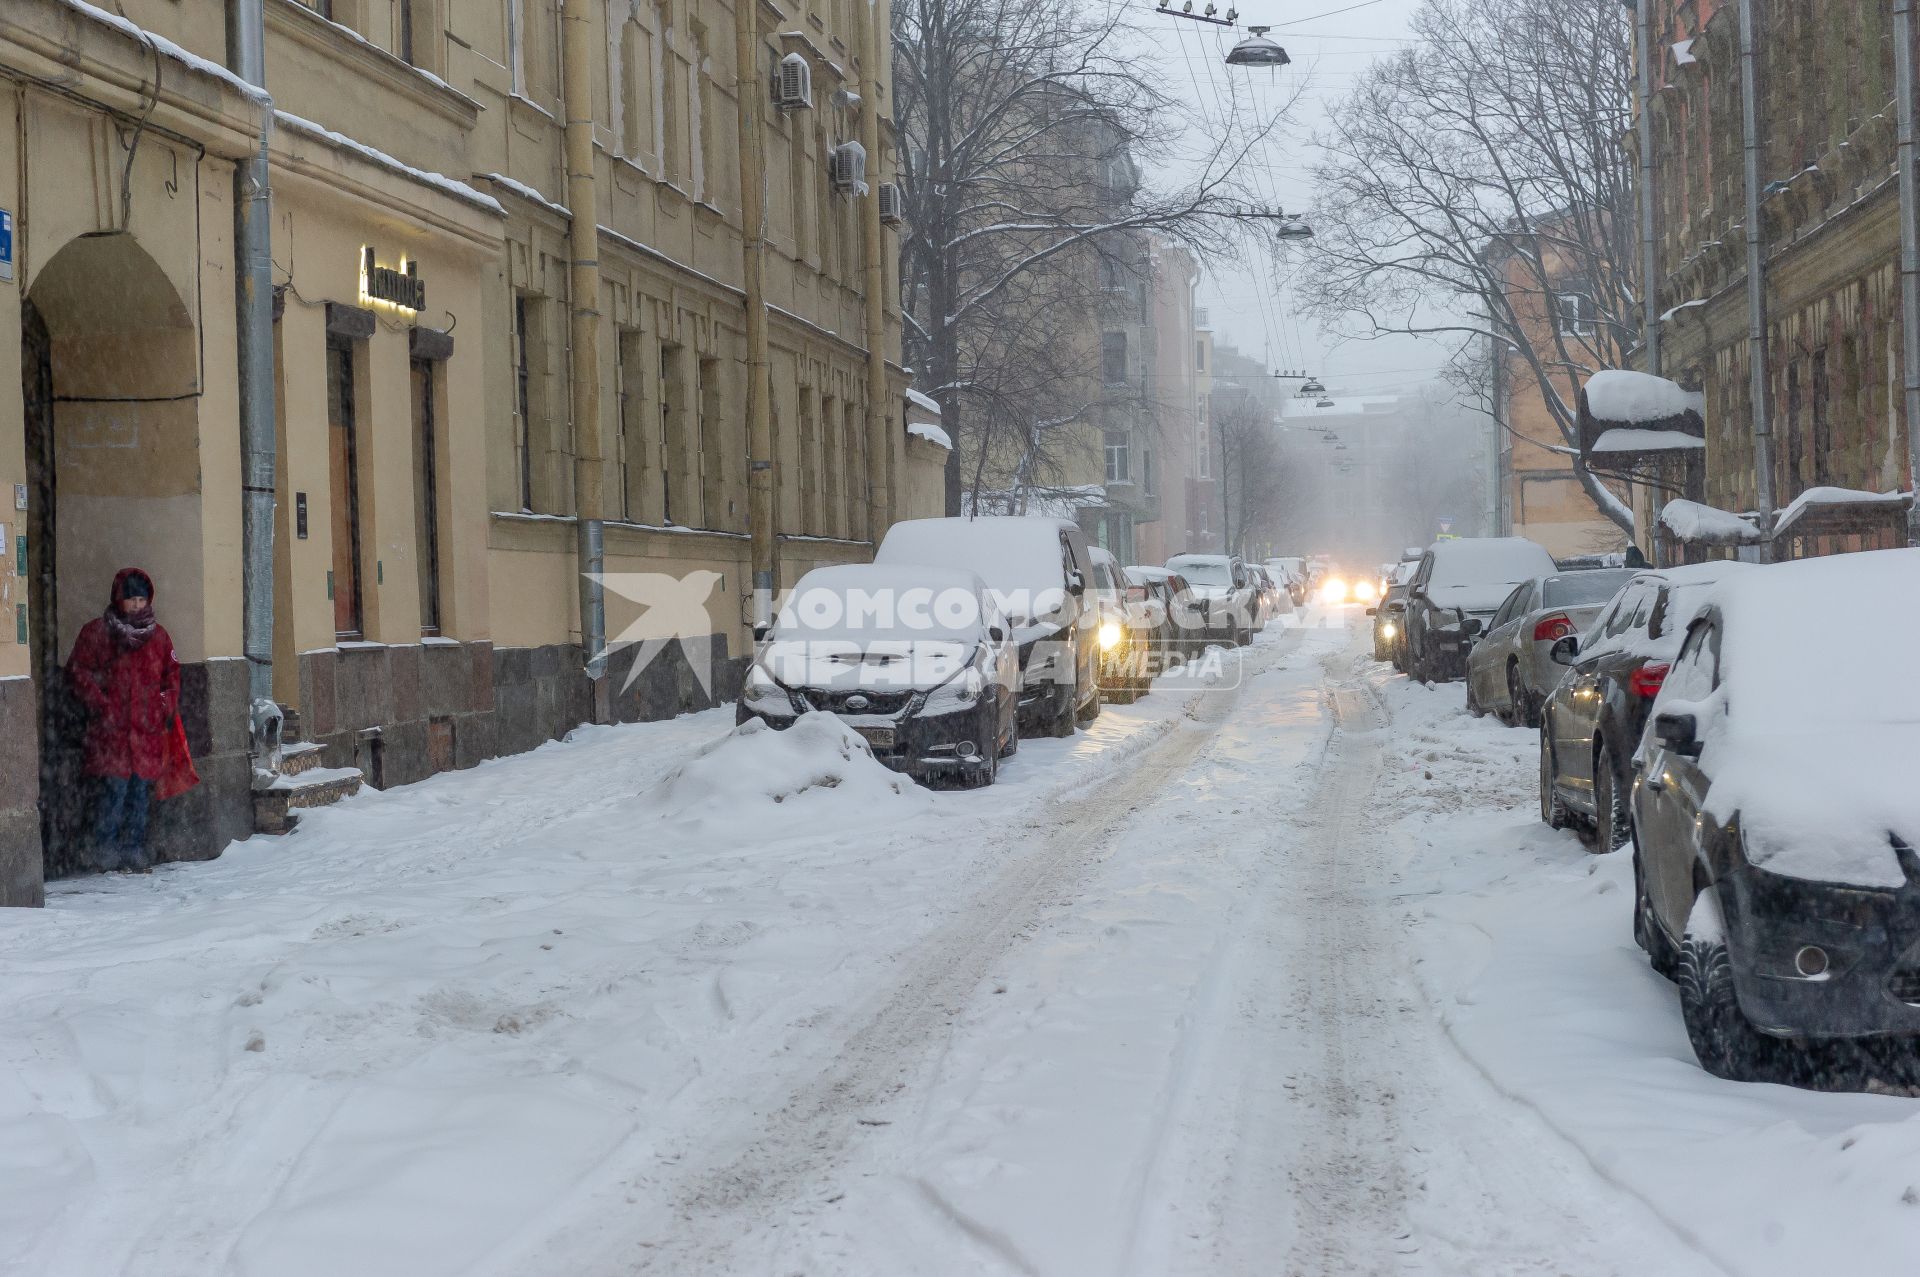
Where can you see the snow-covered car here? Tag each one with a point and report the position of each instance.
(1150, 597)
(1457, 588)
(1776, 814)
(1591, 723)
(1039, 571)
(1221, 593)
(1273, 600)
(1125, 635)
(1511, 669)
(917, 660)
(1390, 613)
(1292, 575)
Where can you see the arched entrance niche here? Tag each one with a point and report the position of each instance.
(111, 368)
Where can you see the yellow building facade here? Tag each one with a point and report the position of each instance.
(433, 437)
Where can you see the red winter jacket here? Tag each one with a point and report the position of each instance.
(132, 695)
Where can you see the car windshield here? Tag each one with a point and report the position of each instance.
(1586, 589)
(1203, 571)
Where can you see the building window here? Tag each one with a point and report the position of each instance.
(1146, 471)
(523, 339)
(1113, 357)
(1200, 355)
(516, 43)
(426, 494)
(343, 470)
(679, 494)
(1118, 469)
(630, 445)
(1203, 440)
(1577, 314)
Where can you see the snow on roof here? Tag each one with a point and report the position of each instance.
(1704, 525)
(1829, 496)
(923, 402)
(1639, 439)
(1477, 573)
(1017, 555)
(1812, 732)
(1620, 394)
(931, 433)
(170, 50)
(1667, 315)
(526, 192)
(439, 181)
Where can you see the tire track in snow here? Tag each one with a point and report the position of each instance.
(751, 1181)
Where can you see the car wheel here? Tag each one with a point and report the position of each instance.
(1091, 710)
(1238, 637)
(1011, 724)
(1474, 707)
(1647, 932)
(1724, 1040)
(981, 777)
(1553, 811)
(1611, 821)
(1520, 708)
(1065, 698)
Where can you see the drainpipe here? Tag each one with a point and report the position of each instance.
(1909, 249)
(583, 366)
(1649, 256)
(750, 90)
(253, 321)
(876, 44)
(1756, 283)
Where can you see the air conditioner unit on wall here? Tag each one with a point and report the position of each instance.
(796, 84)
(848, 164)
(893, 204)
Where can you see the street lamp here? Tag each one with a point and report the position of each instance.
(1257, 51)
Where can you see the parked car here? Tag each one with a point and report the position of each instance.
(1126, 640)
(1186, 629)
(1292, 575)
(930, 686)
(1274, 601)
(1389, 615)
(1591, 723)
(1457, 588)
(1512, 669)
(1039, 571)
(1150, 596)
(1777, 817)
(1221, 592)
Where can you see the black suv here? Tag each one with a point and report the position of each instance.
(1459, 584)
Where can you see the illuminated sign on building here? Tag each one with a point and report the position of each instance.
(402, 287)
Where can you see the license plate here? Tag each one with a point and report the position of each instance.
(878, 737)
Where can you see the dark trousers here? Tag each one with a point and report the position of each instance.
(120, 822)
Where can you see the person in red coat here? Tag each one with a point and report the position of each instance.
(124, 670)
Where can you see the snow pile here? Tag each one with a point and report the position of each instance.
(1704, 525)
(756, 774)
(931, 433)
(1640, 439)
(1826, 496)
(1812, 734)
(1619, 394)
(926, 403)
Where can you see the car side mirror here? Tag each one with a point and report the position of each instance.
(1076, 584)
(1564, 650)
(1471, 626)
(1373, 611)
(997, 634)
(1678, 732)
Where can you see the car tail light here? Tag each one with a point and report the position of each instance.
(1550, 628)
(1646, 680)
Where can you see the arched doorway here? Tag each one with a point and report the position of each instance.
(111, 374)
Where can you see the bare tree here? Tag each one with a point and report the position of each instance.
(1258, 485)
(1025, 126)
(1479, 173)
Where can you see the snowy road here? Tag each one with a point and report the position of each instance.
(1280, 977)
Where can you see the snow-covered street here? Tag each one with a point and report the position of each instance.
(1282, 977)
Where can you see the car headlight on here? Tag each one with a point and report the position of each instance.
(764, 694)
(1366, 592)
(1333, 590)
(1110, 635)
(1388, 629)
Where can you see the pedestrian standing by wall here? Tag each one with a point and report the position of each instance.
(124, 670)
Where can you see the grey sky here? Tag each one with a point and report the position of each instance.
(1328, 53)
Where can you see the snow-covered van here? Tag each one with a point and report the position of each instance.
(1040, 573)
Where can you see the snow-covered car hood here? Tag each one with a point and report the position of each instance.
(843, 665)
(1819, 804)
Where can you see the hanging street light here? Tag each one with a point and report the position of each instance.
(1257, 51)
(1312, 386)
